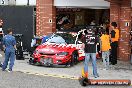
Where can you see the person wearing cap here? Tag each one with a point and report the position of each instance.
(114, 42)
(89, 42)
(105, 47)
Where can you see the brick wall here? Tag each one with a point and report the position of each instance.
(114, 11)
(45, 17)
(120, 12)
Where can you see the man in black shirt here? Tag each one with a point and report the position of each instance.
(89, 42)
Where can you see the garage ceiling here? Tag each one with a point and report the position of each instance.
(91, 4)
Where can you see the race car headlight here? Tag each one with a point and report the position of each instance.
(62, 54)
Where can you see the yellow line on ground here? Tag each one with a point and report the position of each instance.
(53, 75)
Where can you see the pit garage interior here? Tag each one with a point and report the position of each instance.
(81, 17)
(81, 13)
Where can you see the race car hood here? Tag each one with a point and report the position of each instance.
(53, 48)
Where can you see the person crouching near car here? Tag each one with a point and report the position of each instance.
(105, 47)
(89, 43)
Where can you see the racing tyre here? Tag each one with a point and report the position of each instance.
(31, 61)
(74, 59)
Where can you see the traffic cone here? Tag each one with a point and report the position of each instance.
(84, 74)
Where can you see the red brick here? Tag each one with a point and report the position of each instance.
(45, 11)
(120, 12)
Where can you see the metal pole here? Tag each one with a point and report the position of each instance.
(27, 2)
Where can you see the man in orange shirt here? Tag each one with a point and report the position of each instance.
(105, 46)
(114, 42)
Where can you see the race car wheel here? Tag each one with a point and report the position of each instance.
(74, 58)
(34, 62)
(31, 61)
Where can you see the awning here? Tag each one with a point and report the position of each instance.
(93, 4)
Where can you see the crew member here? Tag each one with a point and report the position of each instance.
(1, 33)
(114, 42)
(89, 42)
(105, 46)
(9, 44)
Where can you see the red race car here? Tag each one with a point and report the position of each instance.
(60, 49)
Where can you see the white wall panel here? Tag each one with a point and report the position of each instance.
(68, 3)
(21, 2)
(82, 3)
(32, 2)
(3, 2)
(11, 2)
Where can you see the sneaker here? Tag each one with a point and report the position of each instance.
(0, 55)
(96, 76)
(9, 70)
(104, 69)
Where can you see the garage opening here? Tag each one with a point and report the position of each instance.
(70, 18)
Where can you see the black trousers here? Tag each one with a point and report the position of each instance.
(113, 58)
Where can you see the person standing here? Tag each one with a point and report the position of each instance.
(1, 33)
(1, 37)
(9, 45)
(89, 42)
(114, 42)
(105, 47)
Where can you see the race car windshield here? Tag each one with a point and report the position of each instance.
(69, 39)
(62, 38)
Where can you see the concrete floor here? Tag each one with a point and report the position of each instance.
(122, 70)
